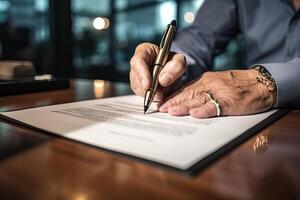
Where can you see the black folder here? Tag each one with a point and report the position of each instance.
(23, 86)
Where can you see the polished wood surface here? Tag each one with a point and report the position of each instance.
(34, 165)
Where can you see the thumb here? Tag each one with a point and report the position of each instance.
(174, 69)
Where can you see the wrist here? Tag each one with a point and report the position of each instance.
(264, 78)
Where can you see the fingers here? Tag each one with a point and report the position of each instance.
(205, 111)
(159, 95)
(140, 77)
(180, 110)
(175, 100)
(184, 107)
(190, 103)
(136, 85)
(190, 96)
(174, 68)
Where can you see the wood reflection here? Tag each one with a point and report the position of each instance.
(102, 89)
(261, 142)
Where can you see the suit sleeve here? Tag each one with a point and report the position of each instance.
(287, 78)
(215, 25)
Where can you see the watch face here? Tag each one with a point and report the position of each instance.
(265, 74)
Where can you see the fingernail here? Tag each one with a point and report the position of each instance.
(166, 79)
(163, 108)
(173, 109)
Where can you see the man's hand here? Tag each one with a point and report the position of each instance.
(237, 91)
(141, 62)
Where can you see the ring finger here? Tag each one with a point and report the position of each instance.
(205, 111)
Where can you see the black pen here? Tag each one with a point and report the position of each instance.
(160, 61)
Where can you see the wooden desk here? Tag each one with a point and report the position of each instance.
(34, 165)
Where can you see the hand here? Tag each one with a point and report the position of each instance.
(237, 91)
(140, 77)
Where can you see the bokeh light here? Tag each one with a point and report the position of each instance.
(101, 23)
(189, 17)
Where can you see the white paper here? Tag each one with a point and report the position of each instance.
(119, 124)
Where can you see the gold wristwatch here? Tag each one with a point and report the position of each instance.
(266, 78)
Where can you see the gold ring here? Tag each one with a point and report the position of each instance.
(215, 102)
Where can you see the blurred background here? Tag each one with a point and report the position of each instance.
(93, 38)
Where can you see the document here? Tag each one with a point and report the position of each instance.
(119, 124)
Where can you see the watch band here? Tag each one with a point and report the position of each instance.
(266, 78)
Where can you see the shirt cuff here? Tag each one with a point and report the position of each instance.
(286, 76)
(194, 69)
(189, 59)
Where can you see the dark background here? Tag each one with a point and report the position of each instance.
(60, 38)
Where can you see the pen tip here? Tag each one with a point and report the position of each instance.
(173, 22)
(145, 109)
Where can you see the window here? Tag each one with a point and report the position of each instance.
(24, 31)
(91, 38)
(106, 51)
(133, 26)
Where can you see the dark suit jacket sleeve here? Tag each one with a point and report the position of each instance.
(215, 24)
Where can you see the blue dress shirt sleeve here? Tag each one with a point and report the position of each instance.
(219, 21)
(287, 78)
(214, 26)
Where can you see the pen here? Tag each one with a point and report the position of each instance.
(160, 62)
